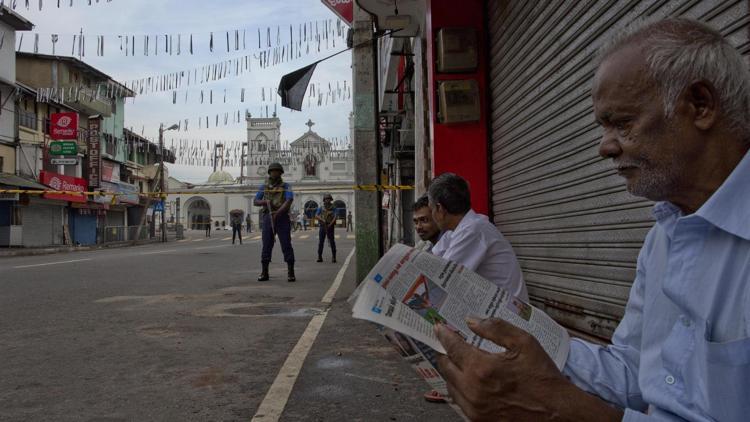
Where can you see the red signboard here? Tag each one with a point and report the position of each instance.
(343, 8)
(63, 126)
(64, 183)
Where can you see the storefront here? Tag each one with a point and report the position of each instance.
(45, 220)
(575, 229)
(83, 218)
(11, 205)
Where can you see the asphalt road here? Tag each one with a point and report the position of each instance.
(182, 331)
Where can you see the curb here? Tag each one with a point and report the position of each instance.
(68, 249)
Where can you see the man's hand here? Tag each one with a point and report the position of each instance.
(521, 384)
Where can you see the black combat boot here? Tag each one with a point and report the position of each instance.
(320, 258)
(334, 258)
(264, 272)
(290, 272)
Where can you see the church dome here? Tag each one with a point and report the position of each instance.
(220, 177)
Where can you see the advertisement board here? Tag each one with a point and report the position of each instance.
(63, 126)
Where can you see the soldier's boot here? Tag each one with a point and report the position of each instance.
(320, 258)
(334, 258)
(264, 272)
(290, 272)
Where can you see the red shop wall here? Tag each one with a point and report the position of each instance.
(460, 148)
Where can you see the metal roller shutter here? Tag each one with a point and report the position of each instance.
(42, 225)
(575, 229)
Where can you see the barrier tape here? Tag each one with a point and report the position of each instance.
(163, 195)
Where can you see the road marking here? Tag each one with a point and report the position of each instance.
(338, 236)
(184, 240)
(227, 238)
(52, 263)
(158, 252)
(213, 247)
(197, 240)
(273, 404)
(304, 236)
(350, 236)
(257, 237)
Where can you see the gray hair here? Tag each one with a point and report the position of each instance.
(452, 192)
(679, 52)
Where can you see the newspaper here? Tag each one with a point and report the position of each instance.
(409, 290)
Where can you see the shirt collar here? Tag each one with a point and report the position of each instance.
(466, 220)
(728, 208)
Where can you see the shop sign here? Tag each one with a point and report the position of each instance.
(63, 161)
(63, 126)
(95, 150)
(64, 183)
(63, 148)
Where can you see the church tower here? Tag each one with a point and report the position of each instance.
(264, 145)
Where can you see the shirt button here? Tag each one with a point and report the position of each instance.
(669, 379)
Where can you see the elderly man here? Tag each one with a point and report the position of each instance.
(469, 238)
(673, 99)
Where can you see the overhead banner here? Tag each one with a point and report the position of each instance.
(95, 151)
(63, 126)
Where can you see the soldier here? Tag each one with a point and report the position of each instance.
(275, 197)
(326, 216)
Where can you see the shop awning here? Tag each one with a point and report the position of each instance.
(7, 179)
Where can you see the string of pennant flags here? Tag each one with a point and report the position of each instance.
(311, 36)
(205, 153)
(15, 4)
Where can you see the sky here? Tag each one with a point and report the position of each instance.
(138, 18)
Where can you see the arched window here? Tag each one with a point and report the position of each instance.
(311, 166)
(310, 208)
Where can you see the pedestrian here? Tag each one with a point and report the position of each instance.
(249, 222)
(349, 225)
(300, 219)
(326, 216)
(304, 222)
(236, 221)
(208, 227)
(275, 199)
(672, 100)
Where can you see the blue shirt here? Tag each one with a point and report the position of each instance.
(682, 350)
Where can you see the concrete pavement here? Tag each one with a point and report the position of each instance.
(182, 331)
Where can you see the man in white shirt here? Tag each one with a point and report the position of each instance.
(469, 238)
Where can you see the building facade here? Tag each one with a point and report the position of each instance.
(311, 165)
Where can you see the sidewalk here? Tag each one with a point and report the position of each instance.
(353, 374)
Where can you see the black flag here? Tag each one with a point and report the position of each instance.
(293, 86)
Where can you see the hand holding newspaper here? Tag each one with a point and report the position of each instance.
(409, 290)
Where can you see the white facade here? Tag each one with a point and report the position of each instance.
(310, 164)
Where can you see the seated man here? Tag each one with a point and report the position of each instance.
(469, 238)
(673, 101)
(427, 230)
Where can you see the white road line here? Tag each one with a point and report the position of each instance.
(227, 238)
(350, 236)
(257, 237)
(184, 240)
(52, 263)
(158, 252)
(273, 404)
(338, 236)
(304, 236)
(198, 240)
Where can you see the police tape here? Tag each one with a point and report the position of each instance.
(163, 195)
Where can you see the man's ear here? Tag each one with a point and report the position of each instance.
(703, 103)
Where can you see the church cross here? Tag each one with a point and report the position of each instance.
(309, 124)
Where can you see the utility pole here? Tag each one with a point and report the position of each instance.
(366, 154)
(162, 184)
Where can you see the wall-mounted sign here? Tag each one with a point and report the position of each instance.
(63, 148)
(95, 151)
(63, 161)
(342, 8)
(62, 182)
(63, 126)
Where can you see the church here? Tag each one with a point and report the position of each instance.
(311, 165)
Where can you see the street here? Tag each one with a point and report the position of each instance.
(183, 331)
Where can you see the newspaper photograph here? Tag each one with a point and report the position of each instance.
(409, 290)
